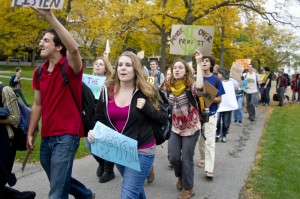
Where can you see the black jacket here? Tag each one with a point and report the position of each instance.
(139, 125)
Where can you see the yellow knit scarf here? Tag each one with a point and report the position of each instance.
(178, 88)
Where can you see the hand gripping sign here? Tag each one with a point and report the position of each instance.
(47, 4)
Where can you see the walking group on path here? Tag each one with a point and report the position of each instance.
(131, 106)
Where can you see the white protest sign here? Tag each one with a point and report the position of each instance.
(236, 71)
(107, 47)
(185, 39)
(94, 83)
(49, 4)
(229, 102)
(141, 54)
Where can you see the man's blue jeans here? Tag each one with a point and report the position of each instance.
(265, 93)
(225, 117)
(133, 181)
(56, 155)
(238, 114)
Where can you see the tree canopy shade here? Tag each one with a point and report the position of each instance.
(146, 25)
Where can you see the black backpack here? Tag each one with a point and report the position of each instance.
(88, 100)
(12, 82)
(163, 132)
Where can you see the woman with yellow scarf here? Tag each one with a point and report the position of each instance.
(185, 123)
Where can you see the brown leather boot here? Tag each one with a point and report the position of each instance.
(179, 183)
(186, 194)
(151, 176)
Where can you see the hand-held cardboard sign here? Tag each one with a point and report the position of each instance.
(107, 47)
(210, 92)
(150, 80)
(115, 147)
(229, 102)
(46, 4)
(236, 71)
(244, 62)
(141, 54)
(94, 83)
(185, 39)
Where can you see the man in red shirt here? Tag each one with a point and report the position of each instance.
(61, 121)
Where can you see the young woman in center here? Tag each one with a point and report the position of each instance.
(105, 170)
(185, 123)
(131, 106)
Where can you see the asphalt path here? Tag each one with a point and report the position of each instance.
(232, 165)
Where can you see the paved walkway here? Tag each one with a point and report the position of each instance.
(233, 163)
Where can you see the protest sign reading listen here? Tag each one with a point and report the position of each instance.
(94, 83)
(53, 4)
(236, 71)
(186, 39)
(115, 147)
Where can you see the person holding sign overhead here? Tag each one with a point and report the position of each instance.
(130, 105)
(61, 121)
(186, 123)
(207, 147)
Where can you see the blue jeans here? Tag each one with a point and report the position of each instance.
(238, 114)
(225, 117)
(265, 94)
(56, 155)
(133, 181)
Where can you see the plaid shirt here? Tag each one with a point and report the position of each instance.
(9, 100)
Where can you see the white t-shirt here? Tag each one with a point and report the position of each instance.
(251, 79)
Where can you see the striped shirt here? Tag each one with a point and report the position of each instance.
(185, 117)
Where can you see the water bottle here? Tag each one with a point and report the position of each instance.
(206, 114)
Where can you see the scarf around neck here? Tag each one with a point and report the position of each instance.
(178, 88)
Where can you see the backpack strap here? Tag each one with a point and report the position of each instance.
(38, 73)
(66, 82)
(158, 76)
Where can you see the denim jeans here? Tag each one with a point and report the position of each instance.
(56, 155)
(133, 181)
(265, 94)
(238, 114)
(225, 117)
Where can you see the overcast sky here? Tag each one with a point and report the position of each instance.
(293, 9)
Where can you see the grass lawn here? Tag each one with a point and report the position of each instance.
(29, 95)
(276, 173)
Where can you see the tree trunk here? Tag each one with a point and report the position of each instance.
(222, 53)
(33, 58)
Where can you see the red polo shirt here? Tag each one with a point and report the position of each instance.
(60, 114)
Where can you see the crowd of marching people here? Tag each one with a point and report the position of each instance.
(130, 105)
